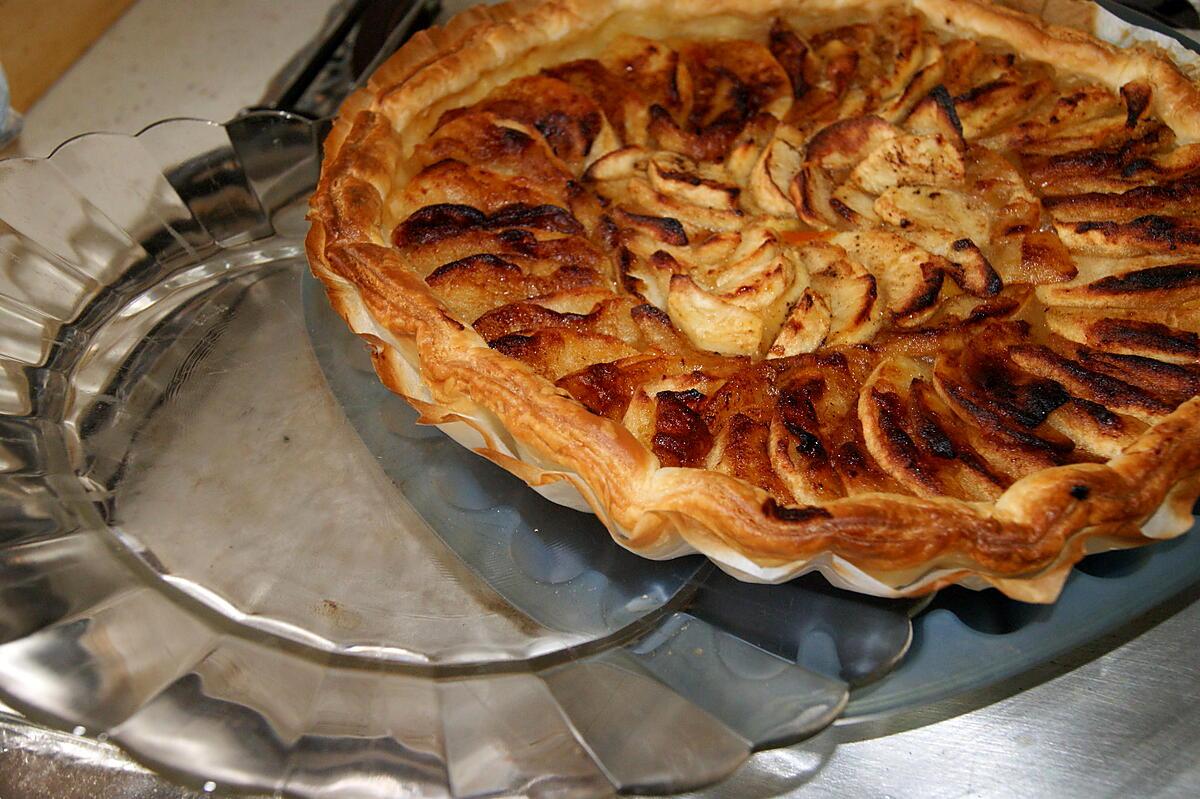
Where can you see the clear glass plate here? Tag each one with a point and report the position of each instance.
(229, 549)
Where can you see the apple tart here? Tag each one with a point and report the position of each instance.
(906, 292)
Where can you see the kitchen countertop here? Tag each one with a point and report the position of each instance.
(1119, 718)
(160, 60)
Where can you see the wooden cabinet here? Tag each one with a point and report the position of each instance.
(40, 39)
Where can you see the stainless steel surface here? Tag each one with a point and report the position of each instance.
(1124, 723)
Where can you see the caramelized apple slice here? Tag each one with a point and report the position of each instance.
(924, 80)
(624, 107)
(1168, 333)
(807, 326)
(817, 443)
(1113, 393)
(852, 293)
(1058, 117)
(1135, 159)
(1002, 408)
(592, 312)
(1167, 384)
(502, 145)
(453, 182)
(573, 124)
(478, 283)
(909, 160)
(801, 437)
(647, 200)
(653, 70)
(679, 179)
(1158, 286)
(619, 164)
(712, 322)
(1176, 197)
(771, 176)
(662, 413)
(439, 234)
(556, 352)
(910, 278)
(914, 436)
(748, 148)
(907, 57)
(992, 105)
(837, 148)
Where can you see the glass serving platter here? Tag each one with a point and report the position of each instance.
(229, 550)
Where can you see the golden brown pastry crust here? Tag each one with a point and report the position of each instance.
(1024, 543)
